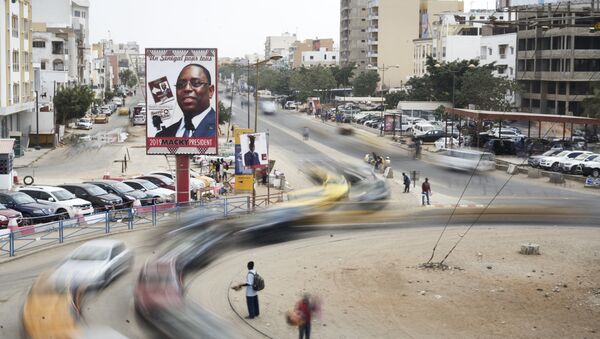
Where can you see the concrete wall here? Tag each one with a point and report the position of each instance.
(55, 13)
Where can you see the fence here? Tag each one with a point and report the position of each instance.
(29, 238)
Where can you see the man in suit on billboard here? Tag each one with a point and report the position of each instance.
(194, 91)
(251, 158)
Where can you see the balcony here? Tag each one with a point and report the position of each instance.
(372, 54)
(373, 29)
(372, 17)
(372, 42)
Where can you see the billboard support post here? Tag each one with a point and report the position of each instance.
(182, 175)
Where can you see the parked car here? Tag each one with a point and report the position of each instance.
(123, 191)
(6, 214)
(159, 180)
(84, 123)
(430, 136)
(534, 160)
(422, 128)
(101, 119)
(553, 162)
(195, 183)
(38, 212)
(106, 109)
(500, 147)
(159, 194)
(290, 105)
(95, 264)
(67, 201)
(100, 199)
(591, 168)
(574, 165)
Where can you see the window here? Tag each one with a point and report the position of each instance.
(490, 51)
(15, 61)
(15, 94)
(502, 51)
(43, 65)
(26, 28)
(57, 47)
(333, 57)
(444, 52)
(15, 26)
(501, 69)
(39, 44)
(82, 14)
(311, 57)
(324, 56)
(77, 14)
(510, 71)
(25, 61)
(512, 50)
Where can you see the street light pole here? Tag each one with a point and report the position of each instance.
(248, 91)
(381, 129)
(37, 121)
(256, 101)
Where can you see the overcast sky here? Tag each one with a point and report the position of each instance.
(235, 27)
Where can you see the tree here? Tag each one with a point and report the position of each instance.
(108, 94)
(591, 105)
(343, 74)
(127, 78)
(313, 81)
(72, 102)
(366, 83)
(224, 113)
(392, 99)
(481, 88)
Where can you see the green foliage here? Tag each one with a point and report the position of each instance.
(591, 105)
(392, 99)
(366, 83)
(72, 102)
(305, 81)
(343, 74)
(224, 113)
(127, 78)
(108, 94)
(468, 84)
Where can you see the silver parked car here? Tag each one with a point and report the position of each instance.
(94, 264)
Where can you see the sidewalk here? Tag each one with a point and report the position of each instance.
(31, 156)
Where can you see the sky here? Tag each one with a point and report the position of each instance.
(235, 27)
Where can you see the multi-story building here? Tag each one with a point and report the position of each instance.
(308, 45)
(558, 55)
(353, 33)
(499, 46)
(72, 18)
(321, 57)
(17, 101)
(279, 45)
(392, 27)
(51, 59)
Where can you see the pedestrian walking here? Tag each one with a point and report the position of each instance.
(251, 293)
(305, 309)
(425, 191)
(225, 169)
(217, 169)
(406, 180)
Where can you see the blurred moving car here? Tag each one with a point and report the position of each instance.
(84, 123)
(66, 200)
(37, 212)
(123, 191)
(465, 160)
(94, 264)
(159, 287)
(446, 142)
(158, 194)
(100, 199)
(50, 311)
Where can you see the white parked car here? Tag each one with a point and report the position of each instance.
(95, 264)
(84, 123)
(553, 162)
(158, 193)
(66, 201)
(422, 128)
(505, 134)
(195, 183)
(575, 165)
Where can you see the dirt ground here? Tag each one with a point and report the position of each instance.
(371, 286)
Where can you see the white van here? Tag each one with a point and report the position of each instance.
(465, 160)
(422, 128)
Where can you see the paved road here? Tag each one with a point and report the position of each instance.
(480, 190)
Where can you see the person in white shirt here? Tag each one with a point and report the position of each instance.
(251, 294)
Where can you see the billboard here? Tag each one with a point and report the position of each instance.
(389, 121)
(181, 101)
(254, 150)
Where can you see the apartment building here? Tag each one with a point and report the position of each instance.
(71, 18)
(498, 45)
(50, 59)
(308, 45)
(353, 33)
(321, 57)
(280, 45)
(558, 56)
(392, 28)
(17, 100)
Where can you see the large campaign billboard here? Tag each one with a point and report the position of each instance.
(181, 101)
(254, 150)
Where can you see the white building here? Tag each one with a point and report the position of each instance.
(73, 17)
(320, 57)
(500, 49)
(17, 99)
(280, 45)
(51, 58)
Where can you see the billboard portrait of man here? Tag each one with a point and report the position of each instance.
(189, 120)
(254, 150)
(194, 90)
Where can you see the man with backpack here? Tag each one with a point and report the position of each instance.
(254, 283)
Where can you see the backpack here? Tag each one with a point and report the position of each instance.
(258, 284)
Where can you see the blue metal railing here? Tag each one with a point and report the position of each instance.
(27, 238)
